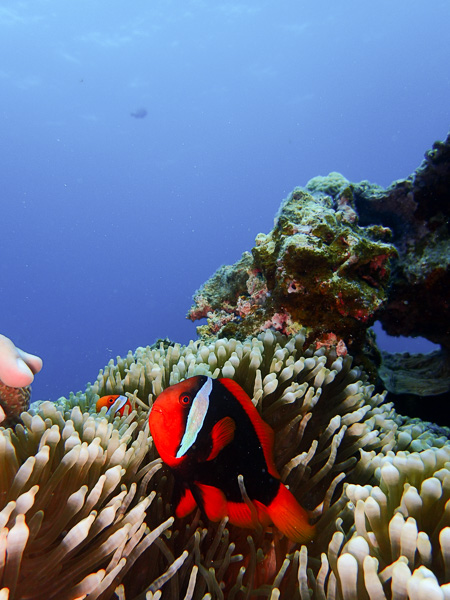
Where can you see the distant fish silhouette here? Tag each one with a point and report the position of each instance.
(139, 113)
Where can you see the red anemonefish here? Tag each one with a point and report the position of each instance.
(110, 401)
(221, 453)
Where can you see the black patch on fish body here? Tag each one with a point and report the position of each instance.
(242, 456)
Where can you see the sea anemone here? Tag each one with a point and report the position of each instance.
(85, 502)
(71, 503)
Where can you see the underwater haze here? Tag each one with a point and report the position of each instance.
(145, 143)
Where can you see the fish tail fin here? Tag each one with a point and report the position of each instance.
(289, 517)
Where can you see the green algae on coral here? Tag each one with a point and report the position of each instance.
(340, 256)
(317, 268)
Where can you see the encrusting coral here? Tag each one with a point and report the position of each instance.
(85, 501)
(342, 255)
(417, 210)
(316, 269)
(13, 401)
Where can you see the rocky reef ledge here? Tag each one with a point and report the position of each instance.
(340, 256)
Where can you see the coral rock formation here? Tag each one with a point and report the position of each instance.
(417, 210)
(317, 268)
(341, 255)
(13, 401)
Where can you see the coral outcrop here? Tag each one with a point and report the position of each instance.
(317, 268)
(417, 210)
(13, 401)
(85, 506)
(341, 255)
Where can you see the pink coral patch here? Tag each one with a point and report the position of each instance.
(278, 321)
(201, 310)
(331, 340)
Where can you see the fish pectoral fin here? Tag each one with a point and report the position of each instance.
(289, 517)
(221, 435)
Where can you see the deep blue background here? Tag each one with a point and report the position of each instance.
(110, 223)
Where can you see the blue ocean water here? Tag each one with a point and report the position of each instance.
(112, 218)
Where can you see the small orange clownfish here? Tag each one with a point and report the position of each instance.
(221, 453)
(109, 401)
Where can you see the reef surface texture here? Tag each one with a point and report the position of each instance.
(13, 401)
(317, 268)
(340, 256)
(417, 210)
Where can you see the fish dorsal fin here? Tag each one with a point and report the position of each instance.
(221, 435)
(262, 429)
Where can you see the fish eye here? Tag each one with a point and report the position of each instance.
(185, 400)
(111, 400)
